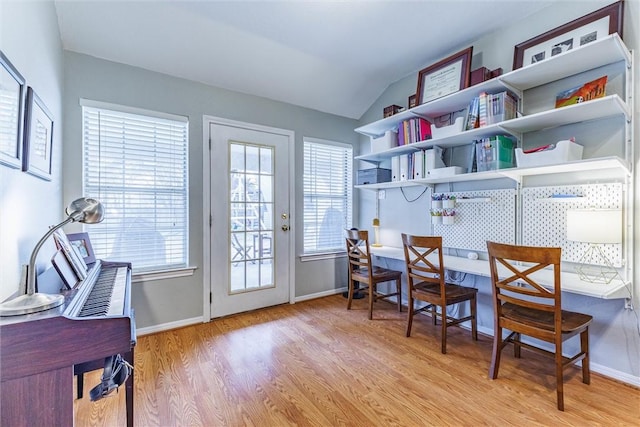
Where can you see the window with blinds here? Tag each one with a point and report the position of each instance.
(137, 166)
(328, 183)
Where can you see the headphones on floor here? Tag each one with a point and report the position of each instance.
(116, 371)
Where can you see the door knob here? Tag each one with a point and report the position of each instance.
(285, 227)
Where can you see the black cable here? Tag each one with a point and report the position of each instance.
(411, 201)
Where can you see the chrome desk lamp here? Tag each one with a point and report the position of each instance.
(85, 210)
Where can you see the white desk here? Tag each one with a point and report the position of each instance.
(570, 282)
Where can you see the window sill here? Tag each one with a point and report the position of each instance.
(321, 256)
(162, 274)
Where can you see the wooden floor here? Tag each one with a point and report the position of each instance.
(316, 364)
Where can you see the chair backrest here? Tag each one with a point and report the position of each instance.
(423, 258)
(358, 250)
(517, 264)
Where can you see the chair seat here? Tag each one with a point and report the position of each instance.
(571, 321)
(380, 274)
(454, 292)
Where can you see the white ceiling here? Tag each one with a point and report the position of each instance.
(332, 56)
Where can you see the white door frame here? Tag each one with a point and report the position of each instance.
(206, 204)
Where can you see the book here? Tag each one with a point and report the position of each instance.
(588, 91)
(482, 109)
(472, 114)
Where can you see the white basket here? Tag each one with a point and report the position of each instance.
(445, 131)
(564, 151)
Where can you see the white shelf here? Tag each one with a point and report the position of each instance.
(570, 281)
(600, 108)
(607, 50)
(614, 164)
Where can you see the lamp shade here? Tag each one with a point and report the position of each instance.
(594, 225)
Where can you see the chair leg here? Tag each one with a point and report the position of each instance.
(434, 315)
(79, 385)
(409, 316)
(516, 345)
(443, 346)
(372, 292)
(559, 377)
(495, 355)
(350, 292)
(584, 347)
(399, 296)
(474, 321)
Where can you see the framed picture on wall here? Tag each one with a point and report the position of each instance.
(12, 95)
(576, 33)
(38, 137)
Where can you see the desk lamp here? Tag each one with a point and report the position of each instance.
(595, 227)
(85, 210)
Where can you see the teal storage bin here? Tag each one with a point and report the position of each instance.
(496, 152)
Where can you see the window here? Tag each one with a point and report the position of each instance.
(135, 163)
(328, 171)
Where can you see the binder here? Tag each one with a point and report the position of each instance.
(395, 168)
(404, 167)
(418, 165)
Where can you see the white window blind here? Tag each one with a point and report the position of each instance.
(136, 165)
(328, 183)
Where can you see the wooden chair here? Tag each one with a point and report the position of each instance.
(426, 282)
(525, 307)
(362, 270)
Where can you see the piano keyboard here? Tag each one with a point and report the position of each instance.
(107, 296)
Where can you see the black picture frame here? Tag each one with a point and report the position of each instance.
(38, 137)
(12, 87)
(570, 35)
(445, 77)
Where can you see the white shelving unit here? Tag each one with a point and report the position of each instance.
(540, 81)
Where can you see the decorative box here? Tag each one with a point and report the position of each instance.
(391, 110)
(373, 176)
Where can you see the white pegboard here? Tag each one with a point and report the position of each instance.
(480, 216)
(544, 218)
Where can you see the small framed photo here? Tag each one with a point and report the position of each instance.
(445, 77)
(571, 35)
(38, 137)
(83, 243)
(411, 102)
(12, 87)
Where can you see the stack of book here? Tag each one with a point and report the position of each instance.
(413, 130)
(487, 109)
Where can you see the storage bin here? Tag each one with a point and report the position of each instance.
(385, 142)
(445, 131)
(564, 151)
(445, 172)
(373, 176)
(495, 153)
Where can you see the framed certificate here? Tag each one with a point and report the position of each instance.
(445, 77)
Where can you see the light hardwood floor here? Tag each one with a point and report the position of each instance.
(316, 364)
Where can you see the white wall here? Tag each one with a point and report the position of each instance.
(615, 340)
(29, 37)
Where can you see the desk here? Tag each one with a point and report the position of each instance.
(570, 282)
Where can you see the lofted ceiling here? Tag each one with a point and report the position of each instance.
(331, 56)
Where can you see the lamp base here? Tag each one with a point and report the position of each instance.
(25, 304)
(595, 267)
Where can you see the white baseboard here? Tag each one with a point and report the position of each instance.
(168, 326)
(616, 375)
(321, 294)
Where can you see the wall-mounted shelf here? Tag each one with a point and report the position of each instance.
(474, 200)
(615, 164)
(607, 50)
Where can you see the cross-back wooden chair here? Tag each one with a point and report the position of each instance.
(362, 270)
(525, 307)
(426, 282)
